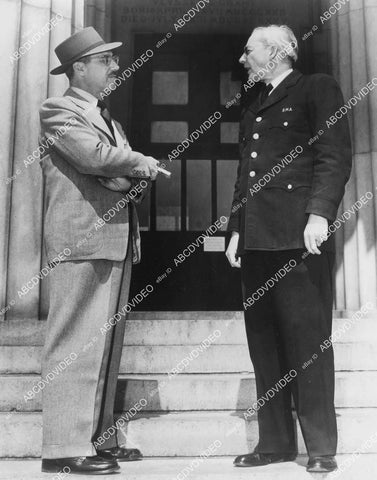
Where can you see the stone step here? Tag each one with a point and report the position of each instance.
(180, 328)
(219, 468)
(190, 392)
(152, 359)
(187, 433)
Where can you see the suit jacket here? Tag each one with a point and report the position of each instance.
(74, 199)
(293, 117)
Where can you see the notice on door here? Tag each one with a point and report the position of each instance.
(214, 244)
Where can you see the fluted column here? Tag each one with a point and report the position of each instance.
(25, 83)
(353, 40)
(98, 15)
(10, 10)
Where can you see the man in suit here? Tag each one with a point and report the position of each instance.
(291, 177)
(96, 227)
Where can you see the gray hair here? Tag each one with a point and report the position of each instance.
(282, 37)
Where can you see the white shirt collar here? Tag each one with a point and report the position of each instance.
(277, 81)
(86, 96)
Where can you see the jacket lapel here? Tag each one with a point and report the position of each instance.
(281, 91)
(253, 103)
(91, 113)
(120, 136)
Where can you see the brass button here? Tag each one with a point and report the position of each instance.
(289, 186)
(252, 173)
(254, 154)
(256, 136)
(285, 124)
(258, 119)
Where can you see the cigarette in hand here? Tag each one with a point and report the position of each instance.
(164, 172)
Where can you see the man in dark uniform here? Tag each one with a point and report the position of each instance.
(295, 162)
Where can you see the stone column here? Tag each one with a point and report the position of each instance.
(25, 83)
(354, 64)
(98, 15)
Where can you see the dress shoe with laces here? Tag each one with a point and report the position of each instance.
(259, 459)
(80, 465)
(325, 463)
(121, 454)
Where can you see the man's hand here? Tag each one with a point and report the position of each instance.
(315, 233)
(146, 168)
(232, 250)
(118, 184)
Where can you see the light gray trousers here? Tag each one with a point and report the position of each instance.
(78, 402)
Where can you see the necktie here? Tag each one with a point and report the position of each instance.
(105, 114)
(264, 93)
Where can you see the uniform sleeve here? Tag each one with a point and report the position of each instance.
(332, 149)
(235, 213)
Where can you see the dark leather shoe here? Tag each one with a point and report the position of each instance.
(325, 463)
(121, 454)
(258, 459)
(80, 465)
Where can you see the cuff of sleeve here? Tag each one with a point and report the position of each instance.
(233, 224)
(322, 207)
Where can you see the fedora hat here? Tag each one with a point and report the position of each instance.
(81, 44)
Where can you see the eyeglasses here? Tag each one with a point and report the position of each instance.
(105, 59)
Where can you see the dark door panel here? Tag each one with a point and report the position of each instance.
(201, 282)
(184, 83)
(187, 81)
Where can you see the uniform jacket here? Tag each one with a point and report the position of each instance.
(293, 117)
(82, 148)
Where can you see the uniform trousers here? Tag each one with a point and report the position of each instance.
(286, 323)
